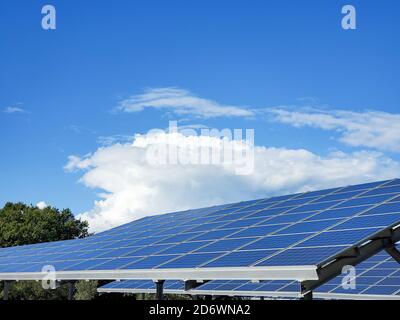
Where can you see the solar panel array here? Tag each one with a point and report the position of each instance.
(143, 286)
(377, 276)
(292, 230)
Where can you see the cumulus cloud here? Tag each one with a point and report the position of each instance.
(131, 187)
(181, 102)
(378, 130)
(42, 205)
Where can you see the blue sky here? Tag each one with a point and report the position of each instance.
(264, 54)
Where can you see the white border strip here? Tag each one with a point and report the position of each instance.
(349, 296)
(269, 294)
(126, 290)
(298, 273)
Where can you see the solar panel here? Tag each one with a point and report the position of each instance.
(299, 232)
(376, 278)
(142, 286)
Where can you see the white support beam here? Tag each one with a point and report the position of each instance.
(297, 273)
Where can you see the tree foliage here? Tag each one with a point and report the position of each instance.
(22, 224)
(86, 290)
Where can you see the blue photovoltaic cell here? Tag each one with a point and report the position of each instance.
(147, 241)
(314, 206)
(381, 290)
(306, 227)
(227, 286)
(387, 190)
(182, 237)
(390, 281)
(207, 227)
(339, 213)
(302, 228)
(318, 193)
(309, 256)
(368, 222)
(269, 212)
(394, 182)
(384, 208)
(395, 199)
(217, 234)
(225, 245)
(276, 242)
(293, 202)
(248, 286)
(185, 247)
(338, 196)
(150, 262)
(240, 258)
(191, 260)
(244, 223)
(365, 201)
(340, 237)
(364, 186)
(86, 265)
(287, 218)
(256, 207)
(234, 216)
(142, 286)
(177, 285)
(118, 263)
(257, 231)
(145, 251)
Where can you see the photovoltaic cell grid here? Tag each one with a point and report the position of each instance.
(143, 286)
(377, 276)
(300, 229)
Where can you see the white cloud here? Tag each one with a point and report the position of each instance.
(110, 140)
(372, 129)
(42, 205)
(11, 110)
(181, 102)
(132, 188)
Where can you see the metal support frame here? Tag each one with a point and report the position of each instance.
(353, 256)
(71, 290)
(160, 289)
(192, 284)
(394, 253)
(6, 289)
(308, 296)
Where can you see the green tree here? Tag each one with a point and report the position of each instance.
(22, 224)
(86, 290)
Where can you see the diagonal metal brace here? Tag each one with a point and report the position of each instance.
(383, 241)
(394, 252)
